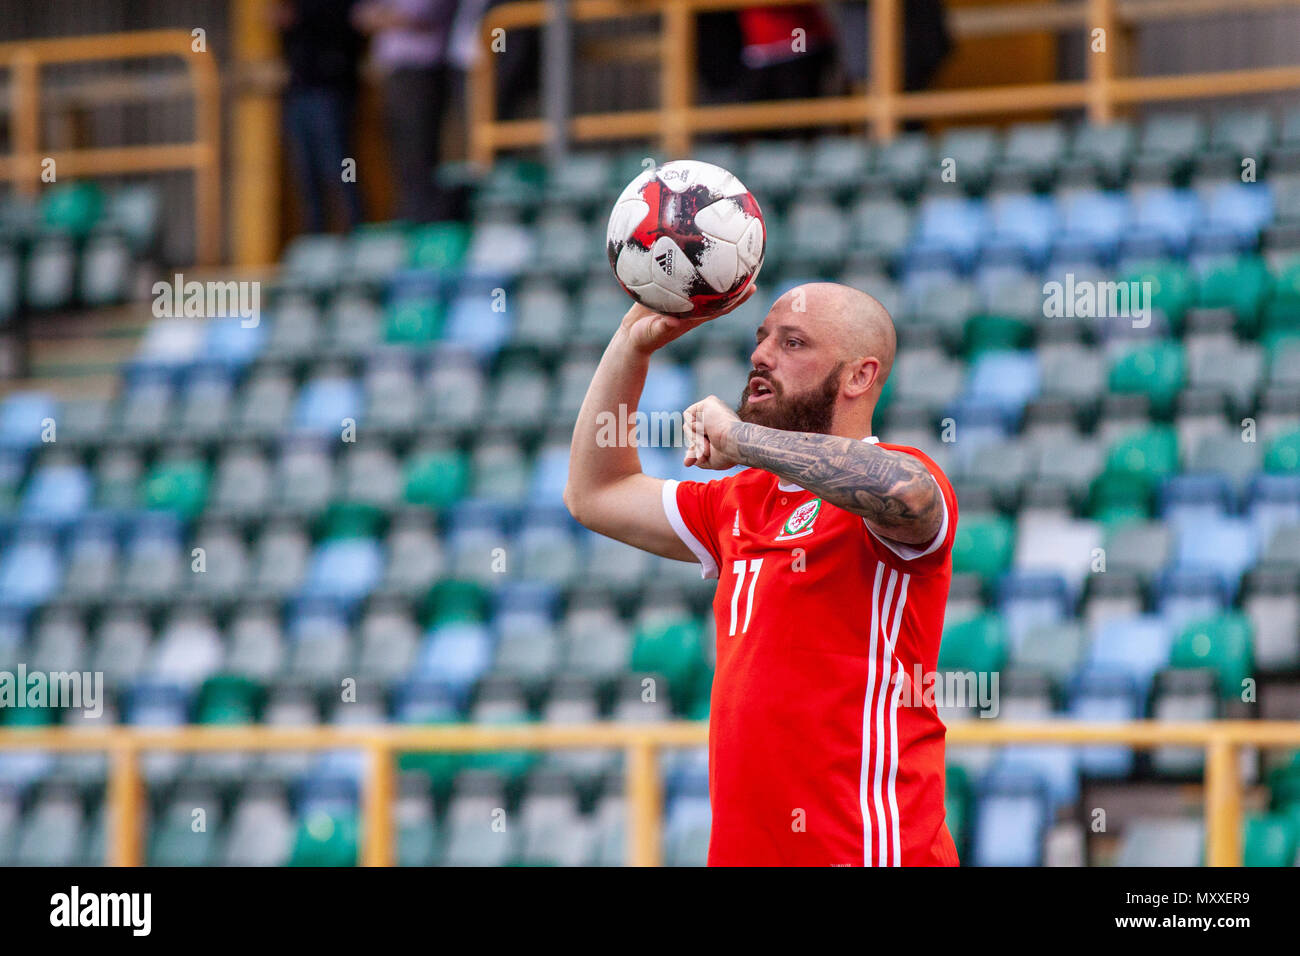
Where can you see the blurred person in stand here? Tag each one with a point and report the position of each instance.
(411, 42)
(786, 51)
(323, 54)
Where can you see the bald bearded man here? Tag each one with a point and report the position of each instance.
(832, 552)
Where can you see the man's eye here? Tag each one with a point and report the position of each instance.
(793, 342)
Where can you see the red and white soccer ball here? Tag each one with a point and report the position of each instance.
(686, 239)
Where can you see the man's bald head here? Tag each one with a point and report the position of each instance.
(859, 326)
(822, 356)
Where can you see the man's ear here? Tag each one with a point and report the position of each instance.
(863, 379)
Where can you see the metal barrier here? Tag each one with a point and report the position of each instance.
(884, 106)
(1222, 741)
(22, 167)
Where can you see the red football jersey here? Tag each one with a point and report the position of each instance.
(822, 749)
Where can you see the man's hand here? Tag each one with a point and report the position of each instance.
(647, 331)
(710, 442)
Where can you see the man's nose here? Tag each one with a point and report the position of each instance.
(761, 357)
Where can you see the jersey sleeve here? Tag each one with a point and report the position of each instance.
(692, 510)
(921, 558)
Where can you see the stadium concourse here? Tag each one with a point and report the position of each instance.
(373, 471)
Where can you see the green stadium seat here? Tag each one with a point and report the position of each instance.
(436, 478)
(1222, 644)
(978, 644)
(413, 321)
(325, 839)
(990, 332)
(74, 208)
(672, 648)
(228, 699)
(957, 804)
(1150, 453)
(1269, 839)
(180, 486)
(439, 246)
(1241, 285)
(983, 545)
(451, 600)
(1173, 288)
(1155, 370)
(352, 519)
(1283, 454)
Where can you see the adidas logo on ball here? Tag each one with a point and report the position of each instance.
(665, 260)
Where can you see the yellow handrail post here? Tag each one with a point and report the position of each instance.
(207, 173)
(380, 790)
(677, 77)
(255, 232)
(482, 96)
(644, 847)
(1101, 59)
(1222, 802)
(126, 805)
(886, 30)
(27, 122)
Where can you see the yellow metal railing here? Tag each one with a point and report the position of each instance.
(1222, 741)
(884, 106)
(24, 60)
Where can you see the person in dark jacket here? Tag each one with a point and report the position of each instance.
(323, 52)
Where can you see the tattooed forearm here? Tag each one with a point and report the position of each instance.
(893, 491)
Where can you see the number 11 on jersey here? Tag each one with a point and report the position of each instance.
(738, 568)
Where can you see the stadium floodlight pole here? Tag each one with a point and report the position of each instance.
(557, 76)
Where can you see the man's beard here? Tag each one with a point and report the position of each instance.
(810, 411)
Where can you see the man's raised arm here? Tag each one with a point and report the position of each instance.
(607, 491)
(893, 491)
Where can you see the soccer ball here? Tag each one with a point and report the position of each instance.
(686, 239)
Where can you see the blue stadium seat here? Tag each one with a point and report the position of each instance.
(1025, 222)
(952, 225)
(1008, 380)
(1273, 501)
(324, 403)
(1185, 499)
(22, 415)
(426, 701)
(1028, 600)
(1012, 814)
(1226, 546)
(231, 343)
(475, 321)
(349, 568)
(57, 493)
(668, 388)
(1097, 219)
(1246, 208)
(1056, 766)
(1100, 694)
(1136, 646)
(1186, 595)
(1169, 213)
(456, 654)
(30, 569)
